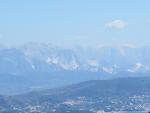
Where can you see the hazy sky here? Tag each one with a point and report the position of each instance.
(81, 22)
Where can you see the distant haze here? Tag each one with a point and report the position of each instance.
(78, 22)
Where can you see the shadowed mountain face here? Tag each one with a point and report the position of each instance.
(39, 66)
(124, 94)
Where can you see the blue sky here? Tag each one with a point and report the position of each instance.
(75, 22)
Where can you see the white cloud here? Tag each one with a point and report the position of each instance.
(117, 24)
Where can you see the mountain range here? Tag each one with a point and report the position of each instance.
(36, 66)
(47, 58)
